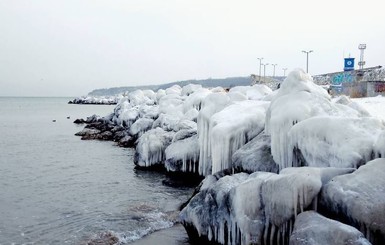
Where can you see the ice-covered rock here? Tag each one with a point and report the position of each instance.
(255, 92)
(298, 100)
(379, 146)
(151, 146)
(359, 198)
(259, 208)
(140, 126)
(182, 155)
(233, 127)
(312, 228)
(190, 89)
(195, 100)
(207, 212)
(212, 104)
(334, 141)
(255, 156)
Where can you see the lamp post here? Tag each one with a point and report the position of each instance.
(307, 59)
(284, 71)
(260, 66)
(264, 71)
(274, 65)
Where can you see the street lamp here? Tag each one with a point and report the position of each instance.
(307, 59)
(284, 71)
(264, 71)
(260, 66)
(274, 69)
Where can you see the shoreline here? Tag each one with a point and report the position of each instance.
(175, 235)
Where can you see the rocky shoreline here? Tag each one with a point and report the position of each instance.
(290, 166)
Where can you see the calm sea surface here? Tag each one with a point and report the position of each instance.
(58, 189)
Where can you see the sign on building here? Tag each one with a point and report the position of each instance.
(349, 64)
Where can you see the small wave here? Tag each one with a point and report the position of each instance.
(152, 221)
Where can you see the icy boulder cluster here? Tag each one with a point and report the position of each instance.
(276, 163)
(97, 100)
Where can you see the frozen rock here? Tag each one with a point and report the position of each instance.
(151, 146)
(312, 228)
(233, 127)
(259, 208)
(255, 156)
(334, 141)
(359, 198)
(140, 126)
(207, 213)
(183, 154)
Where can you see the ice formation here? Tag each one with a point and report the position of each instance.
(313, 228)
(334, 141)
(182, 155)
(255, 156)
(259, 208)
(151, 146)
(303, 119)
(233, 127)
(212, 104)
(359, 197)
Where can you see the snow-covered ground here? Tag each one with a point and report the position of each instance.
(374, 105)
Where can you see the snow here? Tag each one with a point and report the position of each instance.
(374, 105)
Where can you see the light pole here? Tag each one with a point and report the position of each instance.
(260, 66)
(307, 59)
(274, 69)
(284, 71)
(264, 71)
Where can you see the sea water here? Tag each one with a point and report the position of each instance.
(58, 189)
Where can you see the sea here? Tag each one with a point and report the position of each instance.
(58, 189)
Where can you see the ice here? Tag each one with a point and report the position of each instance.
(359, 198)
(212, 103)
(379, 146)
(255, 92)
(255, 156)
(334, 141)
(171, 104)
(190, 89)
(168, 122)
(183, 154)
(233, 127)
(313, 228)
(140, 126)
(175, 89)
(151, 146)
(298, 100)
(139, 97)
(259, 208)
(195, 100)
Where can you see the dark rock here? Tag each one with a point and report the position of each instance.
(88, 134)
(127, 141)
(80, 121)
(106, 135)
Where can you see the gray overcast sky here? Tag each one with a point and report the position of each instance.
(70, 47)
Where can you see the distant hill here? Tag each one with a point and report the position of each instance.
(225, 82)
